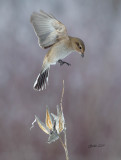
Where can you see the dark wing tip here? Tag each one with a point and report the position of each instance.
(41, 80)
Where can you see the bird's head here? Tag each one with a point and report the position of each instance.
(78, 45)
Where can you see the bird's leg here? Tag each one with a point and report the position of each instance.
(62, 62)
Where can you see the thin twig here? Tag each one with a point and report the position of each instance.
(62, 95)
(66, 149)
(65, 139)
(62, 142)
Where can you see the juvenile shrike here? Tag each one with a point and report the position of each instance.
(52, 33)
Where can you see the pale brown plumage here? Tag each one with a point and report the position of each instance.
(52, 33)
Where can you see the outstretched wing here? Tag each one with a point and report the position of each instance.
(47, 28)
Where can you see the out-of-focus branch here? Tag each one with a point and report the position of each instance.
(62, 95)
(66, 149)
(64, 144)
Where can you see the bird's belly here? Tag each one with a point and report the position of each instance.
(58, 52)
(62, 53)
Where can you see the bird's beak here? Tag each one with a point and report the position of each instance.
(82, 54)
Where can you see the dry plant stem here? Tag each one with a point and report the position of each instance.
(65, 145)
(62, 95)
(62, 142)
(65, 139)
(66, 149)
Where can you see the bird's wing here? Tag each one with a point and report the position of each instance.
(48, 29)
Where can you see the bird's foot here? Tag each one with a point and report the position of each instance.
(62, 62)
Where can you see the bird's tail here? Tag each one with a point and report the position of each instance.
(42, 80)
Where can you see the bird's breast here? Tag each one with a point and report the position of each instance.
(59, 51)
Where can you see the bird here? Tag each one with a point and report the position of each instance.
(53, 34)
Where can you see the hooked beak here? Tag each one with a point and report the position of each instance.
(82, 54)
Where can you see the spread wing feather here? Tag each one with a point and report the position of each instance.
(47, 28)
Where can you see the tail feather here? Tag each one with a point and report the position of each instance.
(41, 80)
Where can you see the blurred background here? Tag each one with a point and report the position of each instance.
(92, 99)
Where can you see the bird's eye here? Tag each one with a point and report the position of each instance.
(78, 45)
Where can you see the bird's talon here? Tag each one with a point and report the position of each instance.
(68, 64)
(62, 62)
